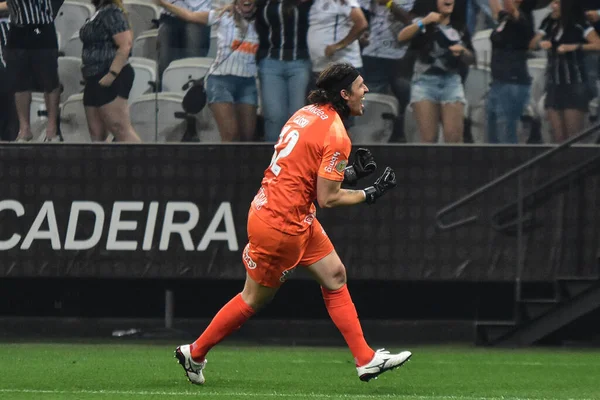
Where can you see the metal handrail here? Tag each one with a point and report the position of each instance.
(467, 198)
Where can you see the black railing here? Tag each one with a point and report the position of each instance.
(520, 221)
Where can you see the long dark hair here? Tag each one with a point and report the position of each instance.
(571, 13)
(332, 74)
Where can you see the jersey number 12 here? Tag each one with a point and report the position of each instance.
(288, 139)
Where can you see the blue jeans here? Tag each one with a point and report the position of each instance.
(283, 92)
(505, 105)
(178, 39)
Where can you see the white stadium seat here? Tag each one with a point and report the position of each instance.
(70, 18)
(69, 73)
(180, 72)
(483, 47)
(37, 119)
(477, 84)
(73, 46)
(212, 51)
(145, 45)
(73, 121)
(153, 117)
(145, 72)
(142, 15)
(373, 127)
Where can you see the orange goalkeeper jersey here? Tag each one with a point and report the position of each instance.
(314, 142)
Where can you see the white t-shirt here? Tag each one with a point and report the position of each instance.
(236, 52)
(384, 29)
(329, 22)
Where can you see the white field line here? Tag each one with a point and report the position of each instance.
(549, 363)
(272, 394)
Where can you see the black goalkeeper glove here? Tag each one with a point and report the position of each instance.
(364, 165)
(384, 183)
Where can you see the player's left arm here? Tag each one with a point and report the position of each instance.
(330, 194)
(333, 171)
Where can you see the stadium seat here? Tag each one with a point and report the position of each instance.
(212, 51)
(180, 72)
(143, 15)
(145, 45)
(145, 77)
(377, 123)
(537, 70)
(37, 117)
(207, 128)
(69, 73)
(73, 121)
(70, 18)
(73, 46)
(153, 117)
(477, 84)
(483, 47)
(540, 14)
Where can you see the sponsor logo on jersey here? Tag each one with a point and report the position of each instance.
(332, 162)
(341, 165)
(301, 121)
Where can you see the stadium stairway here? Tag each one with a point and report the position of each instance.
(538, 318)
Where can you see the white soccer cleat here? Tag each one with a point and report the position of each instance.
(382, 361)
(193, 369)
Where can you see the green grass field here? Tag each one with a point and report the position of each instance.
(134, 370)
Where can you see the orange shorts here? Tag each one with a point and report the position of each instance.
(271, 255)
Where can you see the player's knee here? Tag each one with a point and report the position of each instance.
(337, 277)
(257, 299)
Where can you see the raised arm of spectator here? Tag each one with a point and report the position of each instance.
(504, 5)
(359, 26)
(511, 9)
(199, 17)
(419, 24)
(399, 12)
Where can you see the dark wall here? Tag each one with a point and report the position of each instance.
(395, 239)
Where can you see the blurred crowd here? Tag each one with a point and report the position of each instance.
(269, 53)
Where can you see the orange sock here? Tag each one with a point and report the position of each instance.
(229, 319)
(343, 314)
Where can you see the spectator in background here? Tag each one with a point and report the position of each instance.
(231, 80)
(107, 40)
(592, 14)
(385, 67)
(566, 36)
(475, 9)
(283, 63)
(179, 39)
(8, 129)
(32, 62)
(444, 52)
(511, 84)
(334, 29)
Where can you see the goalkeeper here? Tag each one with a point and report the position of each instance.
(310, 163)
